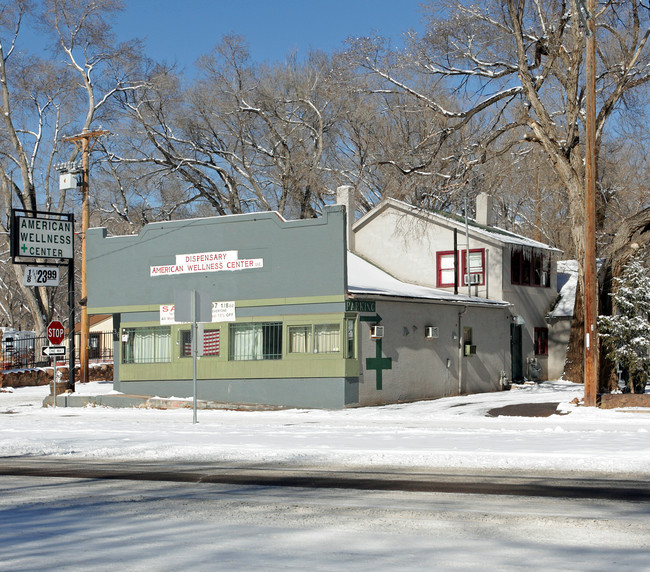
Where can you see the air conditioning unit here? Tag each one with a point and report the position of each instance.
(376, 332)
(431, 332)
(474, 279)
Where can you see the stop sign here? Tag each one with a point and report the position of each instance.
(55, 332)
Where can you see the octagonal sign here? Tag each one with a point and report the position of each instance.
(55, 332)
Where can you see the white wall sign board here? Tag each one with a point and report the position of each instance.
(223, 312)
(167, 314)
(45, 238)
(226, 260)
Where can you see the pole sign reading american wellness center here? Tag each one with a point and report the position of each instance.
(44, 237)
(226, 260)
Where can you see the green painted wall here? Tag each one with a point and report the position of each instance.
(291, 365)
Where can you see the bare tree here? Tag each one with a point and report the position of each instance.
(521, 62)
(41, 100)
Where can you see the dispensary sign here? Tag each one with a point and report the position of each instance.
(35, 237)
(226, 260)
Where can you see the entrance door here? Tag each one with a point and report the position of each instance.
(516, 351)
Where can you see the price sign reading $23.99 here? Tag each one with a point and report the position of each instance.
(41, 276)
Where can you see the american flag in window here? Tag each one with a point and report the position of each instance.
(211, 343)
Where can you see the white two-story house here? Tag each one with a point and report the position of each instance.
(470, 257)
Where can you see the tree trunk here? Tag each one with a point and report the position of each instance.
(574, 366)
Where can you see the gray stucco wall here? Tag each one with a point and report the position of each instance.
(319, 393)
(559, 332)
(405, 245)
(300, 259)
(429, 368)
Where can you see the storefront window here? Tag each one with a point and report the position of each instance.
(256, 341)
(320, 338)
(300, 339)
(327, 338)
(146, 345)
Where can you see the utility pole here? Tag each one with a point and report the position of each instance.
(590, 278)
(84, 142)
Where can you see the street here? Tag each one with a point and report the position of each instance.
(103, 524)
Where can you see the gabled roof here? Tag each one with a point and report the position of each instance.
(489, 232)
(367, 279)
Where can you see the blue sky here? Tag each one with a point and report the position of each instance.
(180, 32)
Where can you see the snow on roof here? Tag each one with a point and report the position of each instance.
(366, 278)
(567, 284)
(492, 232)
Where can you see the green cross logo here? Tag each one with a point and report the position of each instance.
(379, 363)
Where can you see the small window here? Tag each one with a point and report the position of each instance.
(515, 267)
(476, 273)
(211, 343)
(541, 341)
(446, 268)
(469, 347)
(538, 269)
(530, 268)
(299, 339)
(351, 337)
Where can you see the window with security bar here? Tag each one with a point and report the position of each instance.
(146, 345)
(255, 341)
(211, 343)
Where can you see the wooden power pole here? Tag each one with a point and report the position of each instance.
(84, 142)
(589, 272)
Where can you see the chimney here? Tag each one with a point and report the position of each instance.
(484, 210)
(345, 196)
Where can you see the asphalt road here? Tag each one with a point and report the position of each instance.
(390, 479)
(142, 517)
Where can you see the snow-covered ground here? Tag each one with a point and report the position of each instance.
(449, 433)
(103, 525)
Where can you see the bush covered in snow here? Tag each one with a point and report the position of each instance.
(626, 334)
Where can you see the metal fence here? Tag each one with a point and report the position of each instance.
(28, 352)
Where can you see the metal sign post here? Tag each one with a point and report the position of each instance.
(53, 358)
(193, 307)
(194, 345)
